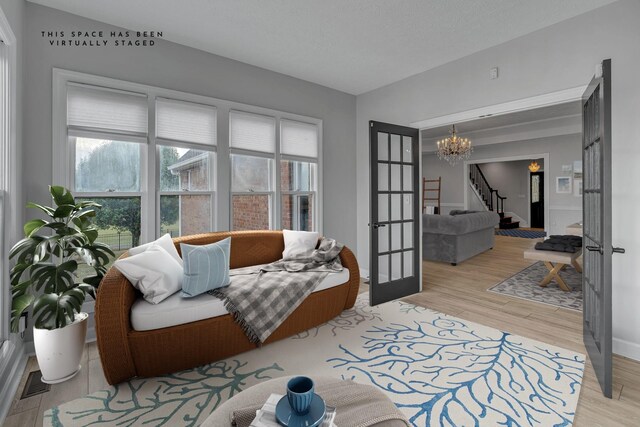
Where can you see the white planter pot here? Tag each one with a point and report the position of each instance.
(59, 350)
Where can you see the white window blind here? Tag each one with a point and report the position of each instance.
(299, 139)
(108, 110)
(252, 132)
(185, 121)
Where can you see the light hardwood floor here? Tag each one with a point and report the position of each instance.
(458, 291)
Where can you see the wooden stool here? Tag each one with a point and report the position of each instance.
(561, 260)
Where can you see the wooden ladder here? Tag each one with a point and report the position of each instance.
(427, 193)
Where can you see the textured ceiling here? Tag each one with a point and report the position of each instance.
(350, 45)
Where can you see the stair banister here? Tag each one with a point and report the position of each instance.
(486, 191)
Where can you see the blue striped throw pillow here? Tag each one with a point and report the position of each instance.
(206, 267)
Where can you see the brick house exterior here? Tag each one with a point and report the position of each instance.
(250, 211)
(195, 210)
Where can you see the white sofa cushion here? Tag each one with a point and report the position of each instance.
(165, 242)
(153, 272)
(177, 310)
(298, 244)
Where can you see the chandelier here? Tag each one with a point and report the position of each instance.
(534, 166)
(453, 149)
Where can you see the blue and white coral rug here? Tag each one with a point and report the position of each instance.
(440, 370)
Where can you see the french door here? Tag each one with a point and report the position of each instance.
(596, 277)
(394, 227)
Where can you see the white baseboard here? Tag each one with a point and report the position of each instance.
(626, 348)
(13, 363)
(364, 274)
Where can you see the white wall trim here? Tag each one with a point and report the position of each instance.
(553, 98)
(626, 348)
(12, 364)
(565, 208)
(544, 156)
(10, 229)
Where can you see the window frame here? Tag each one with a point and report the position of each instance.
(64, 153)
(313, 194)
(273, 193)
(277, 193)
(221, 214)
(213, 159)
(10, 203)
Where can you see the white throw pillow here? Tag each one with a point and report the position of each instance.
(298, 244)
(165, 242)
(153, 272)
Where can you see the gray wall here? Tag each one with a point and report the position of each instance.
(177, 67)
(564, 209)
(511, 179)
(558, 57)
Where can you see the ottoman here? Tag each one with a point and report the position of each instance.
(356, 404)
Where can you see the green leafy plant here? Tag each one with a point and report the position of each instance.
(47, 260)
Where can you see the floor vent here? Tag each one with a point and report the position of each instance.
(34, 385)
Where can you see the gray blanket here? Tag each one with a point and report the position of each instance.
(261, 297)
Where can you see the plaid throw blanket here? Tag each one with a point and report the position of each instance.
(261, 297)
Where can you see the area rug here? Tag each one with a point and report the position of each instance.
(527, 234)
(525, 285)
(440, 370)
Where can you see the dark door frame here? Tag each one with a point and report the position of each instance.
(597, 242)
(404, 286)
(542, 199)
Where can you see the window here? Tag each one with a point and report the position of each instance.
(153, 158)
(107, 132)
(298, 194)
(186, 138)
(254, 155)
(149, 180)
(252, 142)
(298, 177)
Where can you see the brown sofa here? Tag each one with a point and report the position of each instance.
(126, 353)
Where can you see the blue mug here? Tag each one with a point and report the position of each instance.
(300, 394)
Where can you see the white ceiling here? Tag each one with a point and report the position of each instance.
(351, 45)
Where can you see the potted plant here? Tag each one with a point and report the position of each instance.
(45, 277)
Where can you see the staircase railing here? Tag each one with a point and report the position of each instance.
(490, 196)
